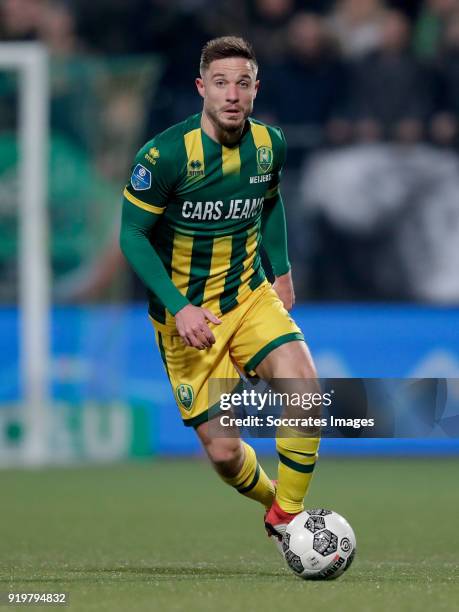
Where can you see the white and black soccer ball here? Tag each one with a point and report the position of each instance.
(319, 545)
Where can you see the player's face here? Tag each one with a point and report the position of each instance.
(229, 87)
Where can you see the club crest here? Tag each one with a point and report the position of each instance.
(185, 395)
(264, 159)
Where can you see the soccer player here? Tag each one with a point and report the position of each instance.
(202, 197)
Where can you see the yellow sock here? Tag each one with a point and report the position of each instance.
(252, 480)
(297, 459)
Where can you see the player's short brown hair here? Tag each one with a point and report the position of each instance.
(226, 46)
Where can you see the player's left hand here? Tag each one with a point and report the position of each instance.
(283, 286)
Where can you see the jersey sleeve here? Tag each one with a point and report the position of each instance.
(152, 178)
(136, 226)
(149, 189)
(273, 223)
(280, 154)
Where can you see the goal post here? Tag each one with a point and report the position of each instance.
(30, 60)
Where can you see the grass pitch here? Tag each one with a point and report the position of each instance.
(168, 535)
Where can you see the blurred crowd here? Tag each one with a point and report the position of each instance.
(367, 92)
(344, 70)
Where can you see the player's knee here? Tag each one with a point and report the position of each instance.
(226, 455)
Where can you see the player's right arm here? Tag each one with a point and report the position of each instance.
(136, 226)
(145, 200)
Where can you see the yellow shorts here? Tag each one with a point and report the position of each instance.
(246, 335)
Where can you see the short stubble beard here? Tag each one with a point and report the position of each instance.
(229, 130)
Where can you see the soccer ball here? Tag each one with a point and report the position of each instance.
(319, 545)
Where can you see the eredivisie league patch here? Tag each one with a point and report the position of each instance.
(141, 178)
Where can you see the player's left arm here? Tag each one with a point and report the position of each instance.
(274, 232)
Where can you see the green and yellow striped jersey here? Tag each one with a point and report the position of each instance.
(210, 198)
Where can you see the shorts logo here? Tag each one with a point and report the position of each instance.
(141, 178)
(185, 395)
(264, 159)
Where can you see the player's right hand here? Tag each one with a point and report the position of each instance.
(191, 323)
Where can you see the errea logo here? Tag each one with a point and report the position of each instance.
(195, 168)
(153, 155)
